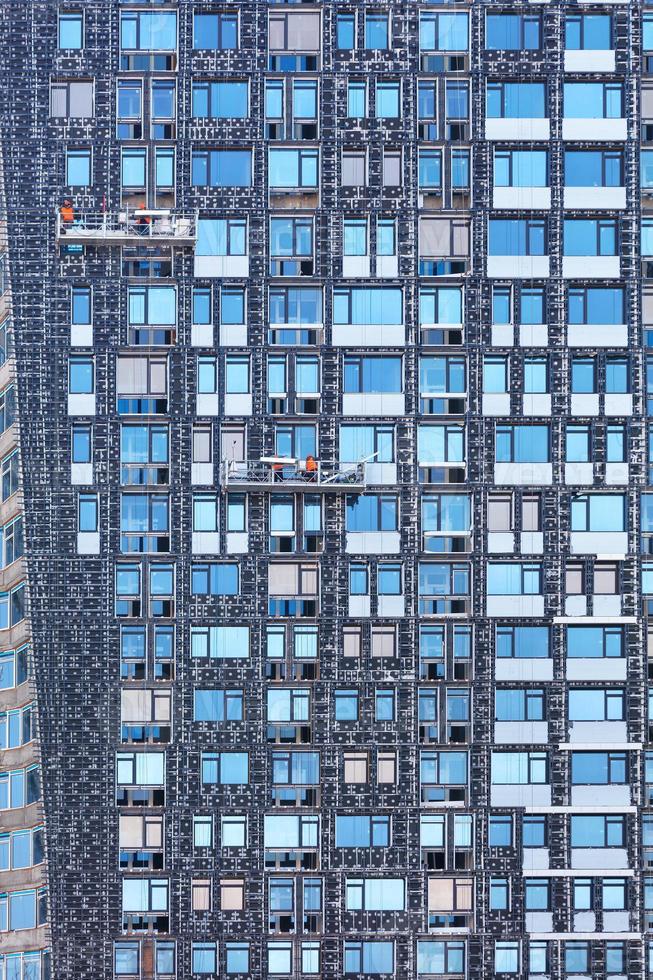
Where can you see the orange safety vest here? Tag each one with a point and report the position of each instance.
(67, 214)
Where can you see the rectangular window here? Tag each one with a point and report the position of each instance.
(293, 168)
(521, 168)
(373, 375)
(590, 236)
(220, 100)
(221, 168)
(522, 444)
(215, 31)
(359, 305)
(514, 578)
(225, 768)
(519, 768)
(377, 32)
(142, 30)
(221, 236)
(598, 512)
(523, 641)
(589, 32)
(375, 894)
(515, 100)
(593, 168)
(593, 100)
(443, 31)
(345, 31)
(594, 641)
(220, 642)
(78, 168)
(517, 236)
(388, 99)
(368, 957)
(218, 705)
(512, 32)
(596, 304)
(71, 30)
(372, 512)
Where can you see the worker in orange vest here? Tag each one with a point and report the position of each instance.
(142, 220)
(311, 468)
(67, 215)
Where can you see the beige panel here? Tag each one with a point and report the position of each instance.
(353, 169)
(303, 31)
(154, 831)
(647, 102)
(232, 894)
(386, 768)
(201, 893)
(441, 895)
(81, 100)
(460, 239)
(356, 767)
(351, 639)
(283, 579)
(647, 306)
(435, 237)
(309, 580)
(136, 705)
(58, 101)
(131, 831)
(276, 32)
(499, 513)
(383, 641)
(158, 376)
(464, 895)
(131, 375)
(162, 706)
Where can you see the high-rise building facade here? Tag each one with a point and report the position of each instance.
(326, 490)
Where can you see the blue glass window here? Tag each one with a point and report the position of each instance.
(592, 32)
(430, 169)
(592, 100)
(71, 31)
(584, 236)
(512, 32)
(359, 305)
(522, 444)
(593, 168)
(221, 168)
(78, 168)
(516, 100)
(293, 168)
(376, 32)
(516, 236)
(217, 31)
(220, 100)
(440, 31)
(520, 168)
